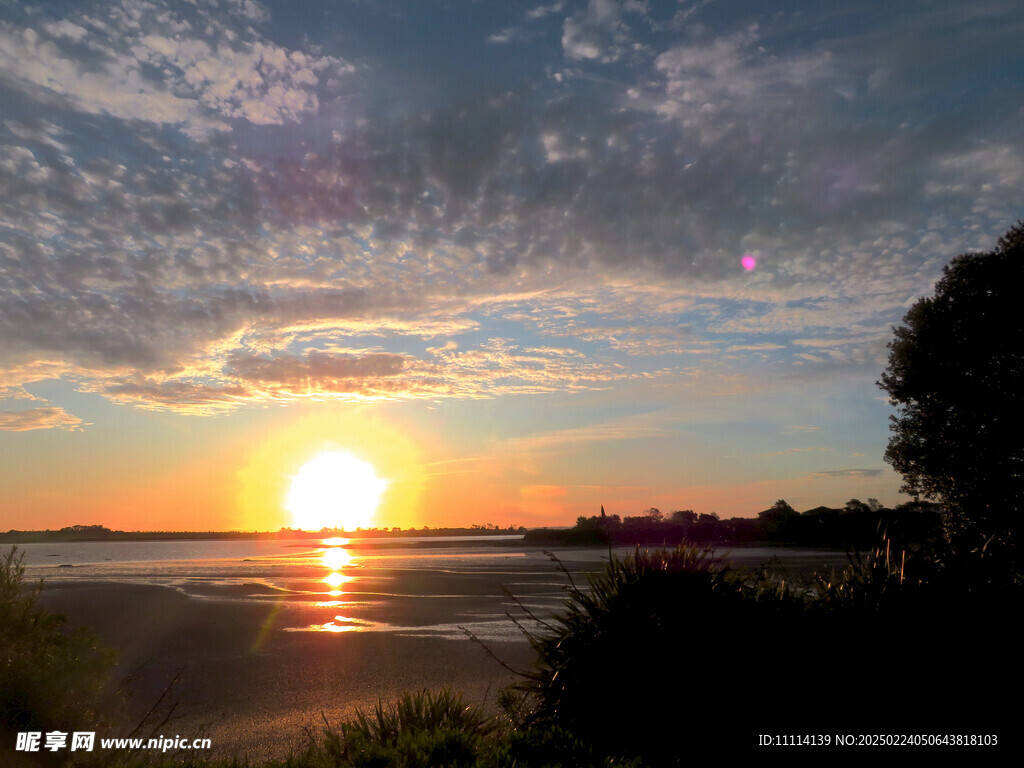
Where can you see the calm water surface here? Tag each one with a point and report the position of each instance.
(398, 587)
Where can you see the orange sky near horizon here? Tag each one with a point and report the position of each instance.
(240, 481)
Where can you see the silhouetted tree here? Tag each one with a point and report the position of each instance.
(778, 521)
(654, 515)
(856, 507)
(683, 516)
(777, 511)
(955, 374)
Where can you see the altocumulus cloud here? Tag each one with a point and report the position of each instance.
(142, 60)
(213, 205)
(48, 417)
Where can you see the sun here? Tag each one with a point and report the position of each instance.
(334, 490)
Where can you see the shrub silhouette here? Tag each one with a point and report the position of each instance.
(51, 678)
(419, 730)
(663, 651)
(647, 647)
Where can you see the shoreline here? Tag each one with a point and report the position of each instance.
(247, 684)
(258, 690)
(439, 535)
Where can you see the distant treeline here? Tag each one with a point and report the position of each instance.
(856, 525)
(101, 533)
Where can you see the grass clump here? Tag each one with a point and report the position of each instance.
(424, 730)
(437, 730)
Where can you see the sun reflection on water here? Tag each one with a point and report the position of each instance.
(334, 558)
(335, 579)
(346, 625)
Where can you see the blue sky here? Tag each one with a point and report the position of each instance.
(505, 237)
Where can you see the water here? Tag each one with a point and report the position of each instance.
(187, 565)
(436, 589)
(415, 587)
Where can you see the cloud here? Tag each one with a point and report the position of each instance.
(502, 366)
(596, 33)
(197, 216)
(854, 473)
(525, 32)
(573, 438)
(239, 376)
(585, 321)
(760, 347)
(66, 29)
(506, 35)
(790, 451)
(259, 82)
(315, 366)
(540, 11)
(990, 175)
(14, 377)
(206, 77)
(324, 374)
(709, 82)
(119, 89)
(184, 396)
(49, 417)
(543, 491)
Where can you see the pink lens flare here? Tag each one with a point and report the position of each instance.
(748, 262)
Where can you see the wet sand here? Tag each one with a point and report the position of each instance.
(253, 678)
(251, 685)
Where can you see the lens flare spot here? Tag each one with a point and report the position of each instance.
(748, 261)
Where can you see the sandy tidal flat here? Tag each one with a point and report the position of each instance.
(251, 683)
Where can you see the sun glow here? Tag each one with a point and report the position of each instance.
(335, 579)
(274, 456)
(336, 558)
(334, 490)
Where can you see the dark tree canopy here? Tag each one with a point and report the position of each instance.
(956, 377)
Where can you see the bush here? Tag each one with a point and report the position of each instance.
(51, 678)
(652, 644)
(667, 649)
(418, 731)
(436, 730)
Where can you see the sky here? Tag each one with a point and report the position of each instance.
(522, 259)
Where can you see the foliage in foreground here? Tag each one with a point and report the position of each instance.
(666, 654)
(429, 729)
(664, 648)
(421, 730)
(434, 730)
(637, 653)
(51, 678)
